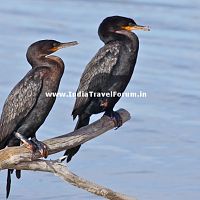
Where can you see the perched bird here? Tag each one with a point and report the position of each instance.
(110, 70)
(27, 106)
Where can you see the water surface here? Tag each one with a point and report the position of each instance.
(156, 154)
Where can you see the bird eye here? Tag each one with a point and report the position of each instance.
(54, 44)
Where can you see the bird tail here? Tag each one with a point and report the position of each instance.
(18, 174)
(83, 120)
(8, 185)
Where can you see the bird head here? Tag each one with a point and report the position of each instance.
(117, 24)
(44, 48)
(47, 47)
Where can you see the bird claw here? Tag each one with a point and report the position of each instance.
(41, 147)
(34, 145)
(43, 151)
(116, 118)
(27, 143)
(31, 146)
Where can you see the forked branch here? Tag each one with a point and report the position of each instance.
(21, 158)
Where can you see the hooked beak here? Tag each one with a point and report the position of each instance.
(64, 45)
(136, 27)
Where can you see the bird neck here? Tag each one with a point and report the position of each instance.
(107, 37)
(120, 36)
(130, 37)
(47, 61)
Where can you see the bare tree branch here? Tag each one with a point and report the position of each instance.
(61, 171)
(14, 155)
(21, 158)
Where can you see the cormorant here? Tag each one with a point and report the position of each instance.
(110, 70)
(27, 106)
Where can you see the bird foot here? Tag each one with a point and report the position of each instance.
(41, 147)
(28, 143)
(115, 116)
(71, 152)
(104, 103)
(33, 145)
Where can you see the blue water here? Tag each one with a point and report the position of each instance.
(156, 154)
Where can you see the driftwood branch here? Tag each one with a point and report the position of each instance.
(61, 171)
(22, 159)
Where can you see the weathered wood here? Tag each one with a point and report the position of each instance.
(62, 171)
(14, 155)
(21, 158)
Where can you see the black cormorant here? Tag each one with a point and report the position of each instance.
(109, 71)
(27, 106)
